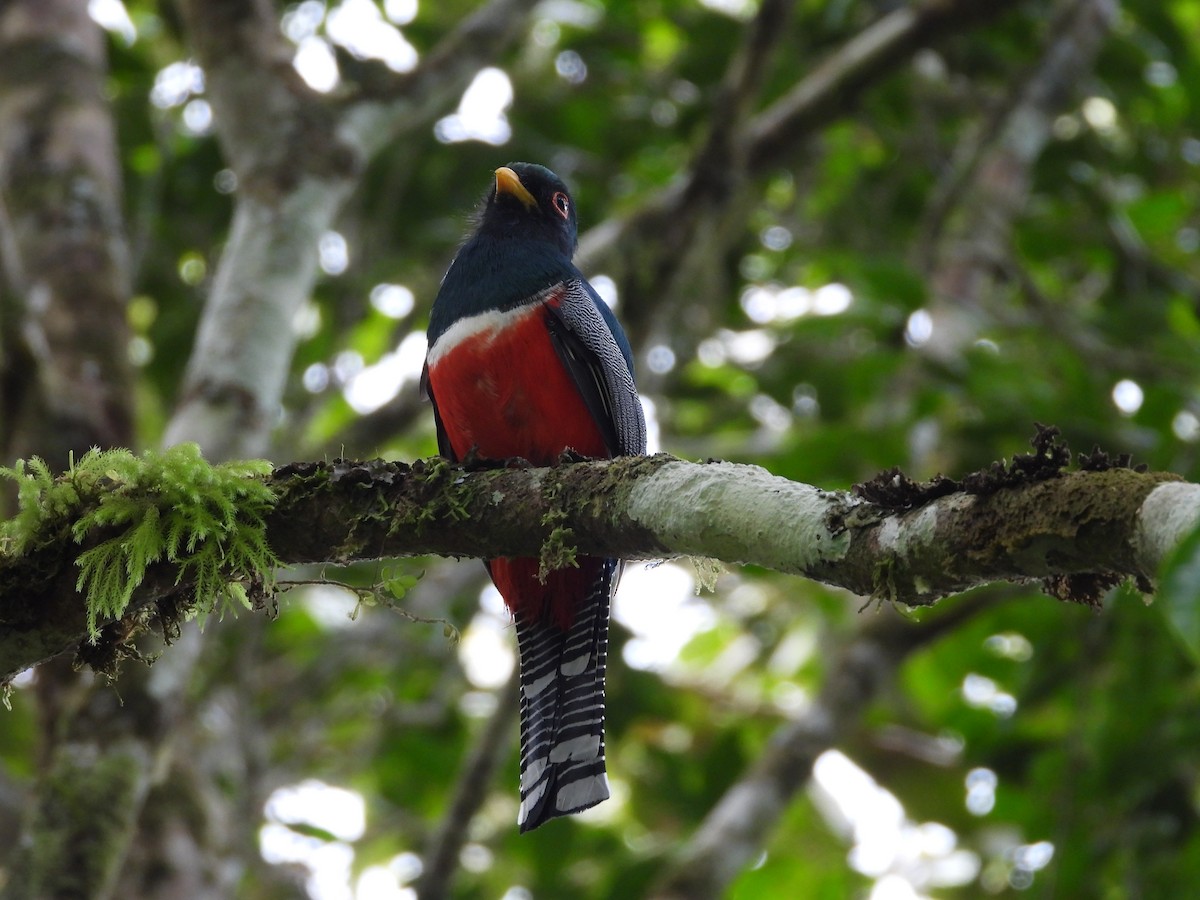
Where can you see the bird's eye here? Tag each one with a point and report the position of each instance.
(561, 204)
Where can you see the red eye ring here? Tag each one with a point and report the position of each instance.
(562, 205)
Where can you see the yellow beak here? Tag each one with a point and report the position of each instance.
(507, 182)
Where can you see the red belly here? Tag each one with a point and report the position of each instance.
(506, 393)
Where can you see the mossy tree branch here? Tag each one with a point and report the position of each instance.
(1080, 530)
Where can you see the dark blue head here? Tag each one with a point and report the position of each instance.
(523, 242)
(529, 202)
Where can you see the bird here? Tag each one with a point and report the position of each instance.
(526, 361)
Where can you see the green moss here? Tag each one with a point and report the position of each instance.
(558, 550)
(883, 581)
(81, 826)
(449, 501)
(168, 505)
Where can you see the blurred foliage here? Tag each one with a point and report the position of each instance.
(1090, 733)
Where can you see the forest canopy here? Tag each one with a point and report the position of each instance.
(844, 239)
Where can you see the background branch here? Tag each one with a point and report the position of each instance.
(653, 253)
(491, 747)
(65, 379)
(297, 155)
(738, 827)
(969, 232)
(66, 385)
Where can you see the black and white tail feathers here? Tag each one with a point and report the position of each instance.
(562, 708)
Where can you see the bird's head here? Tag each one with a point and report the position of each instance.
(530, 202)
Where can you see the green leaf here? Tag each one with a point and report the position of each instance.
(1179, 592)
(399, 585)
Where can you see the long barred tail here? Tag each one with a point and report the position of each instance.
(562, 707)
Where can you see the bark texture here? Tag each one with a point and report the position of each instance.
(65, 380)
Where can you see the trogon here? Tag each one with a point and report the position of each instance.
(525, 360)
